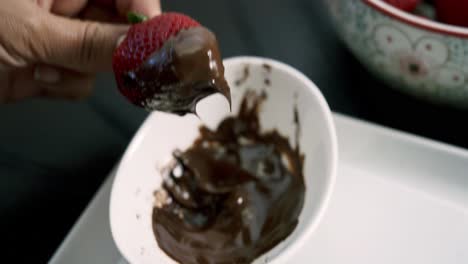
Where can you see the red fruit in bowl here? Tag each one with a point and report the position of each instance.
(144, 39)
(405, 5)
(453, 12)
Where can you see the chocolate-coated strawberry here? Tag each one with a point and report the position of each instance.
(168, 63)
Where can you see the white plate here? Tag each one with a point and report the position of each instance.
(398, 198)
(137, 176)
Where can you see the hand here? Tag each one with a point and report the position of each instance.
(44, 51)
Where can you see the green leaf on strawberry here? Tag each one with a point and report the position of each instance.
(135, 18)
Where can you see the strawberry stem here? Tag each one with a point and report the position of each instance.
(135, 18)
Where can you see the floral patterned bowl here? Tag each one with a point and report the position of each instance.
(416, 55)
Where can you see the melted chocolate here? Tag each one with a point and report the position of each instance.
(232, 196)
(185, 70)
(245, 76)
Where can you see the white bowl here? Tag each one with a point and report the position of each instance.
(131, 202)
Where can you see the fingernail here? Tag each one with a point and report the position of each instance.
(120, 40)
(46, 74)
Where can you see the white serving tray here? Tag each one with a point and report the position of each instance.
(399, 198)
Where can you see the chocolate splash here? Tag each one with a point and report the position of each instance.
(185, 70)
(245, 76)
(233, 195)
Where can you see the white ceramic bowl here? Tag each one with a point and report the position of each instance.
(137, 177)
(413, 54)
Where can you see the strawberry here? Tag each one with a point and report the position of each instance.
(405, 5)
(453, 12)
(143, 39)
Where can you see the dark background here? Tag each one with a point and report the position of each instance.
(54, 155)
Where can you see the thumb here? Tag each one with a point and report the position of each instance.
(83, 46)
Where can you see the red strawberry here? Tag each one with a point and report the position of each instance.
(143, 39)
(453, 12)
(405, 5)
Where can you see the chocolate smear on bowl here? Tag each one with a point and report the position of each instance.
(231, 196)
(245, 76)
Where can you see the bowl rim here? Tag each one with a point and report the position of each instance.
(416, 21)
